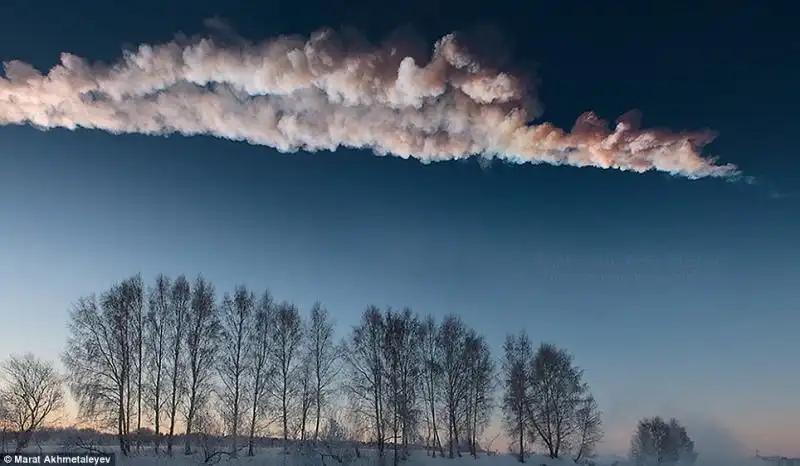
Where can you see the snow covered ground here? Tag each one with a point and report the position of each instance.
(330, 457)
(276, 457)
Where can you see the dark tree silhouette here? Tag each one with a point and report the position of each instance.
(32, 390)
(401, 346)
(432, 381)
(557, 390)
(235, 326)
(325, 359)
(134, 290)
(156, 344)
(260, 366)
(481, 370)
(305, 392)
(518, 354)
(452, 338)
(657, 441)
(99, 358)
(202, 339)
(180, 300)
(588, 424)
(287, 336)
(364, 355)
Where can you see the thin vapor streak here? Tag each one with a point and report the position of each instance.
(329, 91)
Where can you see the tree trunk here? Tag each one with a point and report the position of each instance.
(234, 440)
(251, 437)
(285, 414)
(157, 420)
(139, 371)
(319, 409)
(174, 406)
(475, 427)
(303, 417)
(121, 419)
(394, 433)
(187, 450)
(128, 406)
(436, 440)
(453, 439)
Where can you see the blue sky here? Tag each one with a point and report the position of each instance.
(678, 297)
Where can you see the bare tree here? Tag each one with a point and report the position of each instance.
(481, 385)
(589, 428)
(366, 370)
(556, 392)
(98, 357)
(92, 360)
(336, 443)
(518, 358)
(260, 365)
(32, 391)
(236, 324)
(157, 326)
(6, 420)
(325, 357)
(305, 375)
(432, 380)
(128, 299)
(202, 335)
(209, 436)
(180, 300)
(411, 372)
(393, 353)
(401, 348)
(287, 337)
(133, 289)
(452, 339)
(659, 442)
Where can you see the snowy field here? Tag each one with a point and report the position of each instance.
(276, 457)
(346, 457)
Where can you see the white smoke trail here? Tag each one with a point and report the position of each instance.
(327, 92)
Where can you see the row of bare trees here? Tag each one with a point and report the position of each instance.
(173, 354)
(546, 400)
(406, 372)
(176, 358)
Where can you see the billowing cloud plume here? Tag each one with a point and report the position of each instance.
(330, 91)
